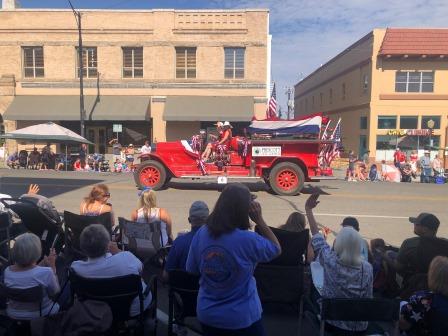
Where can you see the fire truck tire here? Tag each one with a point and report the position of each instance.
(286, 178)
(150, 173)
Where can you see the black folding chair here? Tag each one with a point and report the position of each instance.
(118, 293)
(32, 295)
(182, 300)
(5, 237)
(74, 224)
(281, 281)
(360, 309)
(37, 221)
(142, 239)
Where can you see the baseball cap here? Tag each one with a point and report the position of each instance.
(352, 222)
(198, 210)
(426, 219)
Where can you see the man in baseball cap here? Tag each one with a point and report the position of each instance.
(425, 227)
(178, 254)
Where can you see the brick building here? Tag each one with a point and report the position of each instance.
(161, 74)
(390, 90)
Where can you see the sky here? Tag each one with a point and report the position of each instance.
(305, 33)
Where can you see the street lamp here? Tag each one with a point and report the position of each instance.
(81, 70)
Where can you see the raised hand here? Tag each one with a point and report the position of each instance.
(33, 189)
(312, 202)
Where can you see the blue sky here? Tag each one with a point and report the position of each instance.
(306, 33)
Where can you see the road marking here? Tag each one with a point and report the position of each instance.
(359, 216)
(389, 197)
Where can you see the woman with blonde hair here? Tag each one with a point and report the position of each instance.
(96, 203)
(296, 222)
(148, 212)
(427, 311)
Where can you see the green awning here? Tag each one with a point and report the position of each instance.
(204, 108)
(57, 108)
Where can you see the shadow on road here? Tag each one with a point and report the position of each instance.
(253, 186)
(49, 187)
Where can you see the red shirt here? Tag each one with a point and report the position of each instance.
(397, 156)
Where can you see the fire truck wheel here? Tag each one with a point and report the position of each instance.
(150, 174)
(286, 178)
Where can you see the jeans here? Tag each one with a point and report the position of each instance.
(425, 176)
(256, 329)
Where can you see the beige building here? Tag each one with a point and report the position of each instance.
(161, 74)
(390, 90)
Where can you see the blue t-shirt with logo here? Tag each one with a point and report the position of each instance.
(228, 297)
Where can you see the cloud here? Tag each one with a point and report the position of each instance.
(308, 33)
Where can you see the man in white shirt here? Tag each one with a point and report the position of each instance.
(106, 260)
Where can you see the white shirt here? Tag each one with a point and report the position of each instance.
(109, 266)
(38, 275)
(145, 149)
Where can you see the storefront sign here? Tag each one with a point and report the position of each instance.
(266, 151)
(414, 132)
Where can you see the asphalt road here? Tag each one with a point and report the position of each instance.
(382, 208)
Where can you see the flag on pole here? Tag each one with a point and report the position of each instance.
(333, 150)
(271, 111)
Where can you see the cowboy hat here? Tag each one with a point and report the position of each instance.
(227, 124)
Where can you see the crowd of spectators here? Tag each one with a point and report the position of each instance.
(405, 168)
(223, 250)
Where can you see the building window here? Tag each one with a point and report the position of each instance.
(234, 62)
(365, 83)
(343, 91)
(414, 81)
(185, 62)
(408, 122)
(387, 122)
(33, 62)
(386, 142)
(132, 62)
(363, 123)
(89, 62)
(331, 96)
(321, 99)
(432, 141)
(432, 122)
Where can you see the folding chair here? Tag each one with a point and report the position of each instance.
(5, 237)
(142, 239)
(281, 281)
(37, 221)
(182, 300)
(32, 295)
(74, 224)
(369, 310)
(118, 293)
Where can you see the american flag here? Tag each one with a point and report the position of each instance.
(333, 150)
(271, 111)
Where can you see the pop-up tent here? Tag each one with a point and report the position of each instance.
(47, 132)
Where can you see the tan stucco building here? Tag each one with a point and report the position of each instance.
(161, 74)
(390, 89)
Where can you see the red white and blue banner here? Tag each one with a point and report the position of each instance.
(309, 126)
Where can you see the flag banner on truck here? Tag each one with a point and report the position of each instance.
(309, 126)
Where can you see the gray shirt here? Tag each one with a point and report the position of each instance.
(342, 281)
(116, 149)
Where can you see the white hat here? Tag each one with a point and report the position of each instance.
(219, 124)
(226, 123)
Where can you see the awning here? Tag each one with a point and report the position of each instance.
(203, 108)
(58, 108)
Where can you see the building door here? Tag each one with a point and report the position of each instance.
(97, 135)
(362, 145)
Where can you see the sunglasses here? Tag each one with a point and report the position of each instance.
(107, 195)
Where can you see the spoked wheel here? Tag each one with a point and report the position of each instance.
(286, 178)
(150, 174)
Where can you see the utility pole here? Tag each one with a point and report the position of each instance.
(81, 70)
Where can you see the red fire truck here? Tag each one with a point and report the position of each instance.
(283, 153)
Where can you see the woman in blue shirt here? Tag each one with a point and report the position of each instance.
(224, 252)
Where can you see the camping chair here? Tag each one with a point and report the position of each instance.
(281, 281)
(360, 309)
(5, 237)
(182, 299)
(118, 293)
(74, 224)
(32, 295)
(142, 239)
(37, 221)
